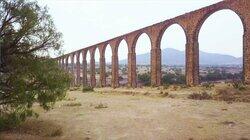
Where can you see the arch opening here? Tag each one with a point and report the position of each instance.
(88, 68)
(221, 47)
(108, 65)
(123, 62)
(75, 69)
(97, 66)
(173, 42)
(81, 67)
(143, 55)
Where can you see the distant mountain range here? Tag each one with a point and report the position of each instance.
(172, 56)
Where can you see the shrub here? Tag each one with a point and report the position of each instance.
(164, 94)
(16, 117)
(239, 85)
(200, 96)
(73, 104)
(174, 87)
(231, 95)
(207, 85)
(166, 86)
(100, 106)
(70, 99)
(74, 88)
(57, 132)
(177, 78)
(87, 89)
(34, 81)
(144, 78)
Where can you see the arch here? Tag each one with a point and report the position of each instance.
(173, 45)
(207, 15)
(123, 62)
(143, 63)
(166, 27)
(138, 36)
(220, 66)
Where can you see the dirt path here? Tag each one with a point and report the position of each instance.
(130, 117)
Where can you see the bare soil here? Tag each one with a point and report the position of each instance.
(108, 114)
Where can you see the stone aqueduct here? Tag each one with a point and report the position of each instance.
(191, 24)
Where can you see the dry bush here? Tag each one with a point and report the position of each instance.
(184, 86)
(101, 105)
(164, 94)
(230, 94)
(200, 96)
(87, 89)
(166, 86)
(70, 99)
(239, 85)
(146, 93)
(171, 96)
(74, 88)
(73, 104)
(207, 85)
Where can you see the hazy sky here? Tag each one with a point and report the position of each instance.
(84, 23)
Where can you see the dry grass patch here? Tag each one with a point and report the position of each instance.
(231, 94)
(39, 128)
(74, 88)
(87, 89)
(200, 96)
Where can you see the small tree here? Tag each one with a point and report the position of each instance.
(144, 78)
(27, 74)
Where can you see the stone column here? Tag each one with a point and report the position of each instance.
(62, 63)
(102, 70)
(92, 70)
(155, 66)
(72, 69)
(246, 57)
(78, 69)
(84, 69)
(192, 61)
(115, 68)
(58, 62)
(132, 79)
(67, 64)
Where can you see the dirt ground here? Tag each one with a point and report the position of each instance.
(106, 115)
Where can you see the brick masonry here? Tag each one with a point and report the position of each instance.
(191, 24)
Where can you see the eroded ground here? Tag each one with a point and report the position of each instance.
(110, 115)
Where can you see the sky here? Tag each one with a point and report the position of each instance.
(84, 23)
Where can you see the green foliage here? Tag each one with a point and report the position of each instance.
(15, 117)
(32, 81)
(144, 78)
(87, 89)
(216, 75)
(173, 79)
